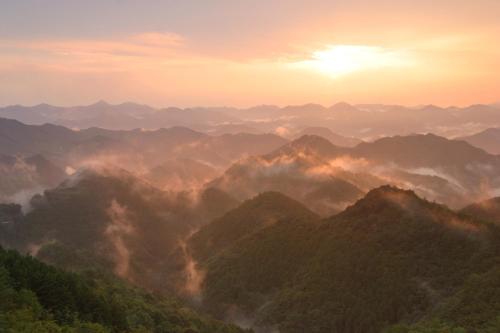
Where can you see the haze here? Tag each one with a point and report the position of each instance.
(243, 53)
(237, 166)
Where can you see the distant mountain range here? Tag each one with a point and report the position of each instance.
(327, 177)
(311, 169)
(366, 121)
(336, 139)
(306, 231)
(488, 140)
(60, 143)
(195, 157)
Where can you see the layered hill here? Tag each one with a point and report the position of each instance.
(488, 140)
(334, 138)
(390, 258)
(174, 157)
(367, 121)
(65, 145)
(18, 138)
(181, 174)
(250, 252)
(420, 151)
(448, 171)
(21, 177)
(253, 215)
(487, 210)
(297, 170)
(110, 219)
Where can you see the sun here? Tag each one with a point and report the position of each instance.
(340, 60)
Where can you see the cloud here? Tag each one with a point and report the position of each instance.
(158, 39)
(193, 275)
(340, 60)
(156, 67)
(117, 232)
(282, 131)
(144, 44)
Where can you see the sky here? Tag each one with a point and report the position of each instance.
(244, 53)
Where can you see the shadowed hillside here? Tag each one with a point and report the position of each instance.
(39, 298)
(391, 257)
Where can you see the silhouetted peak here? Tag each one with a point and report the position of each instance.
(100, 103)
(386, 201)
(382, 191)
(343, 106)
(311, 140)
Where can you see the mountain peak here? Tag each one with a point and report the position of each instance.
(334, 138)
(388, 200)
(388, 209)
(315, 143)
(258, 213)
(275, 203)
(311, 139)
(343, 106)
(310, 144)
(423, 150)
(95, 173)
(100, 103)
(384, 190)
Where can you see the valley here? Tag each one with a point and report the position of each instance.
(267, 233)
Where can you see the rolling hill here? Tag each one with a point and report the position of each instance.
(448, 171)
(391, 258)
(487, 140)
(250, 217)
(335, 139)
(110, 219)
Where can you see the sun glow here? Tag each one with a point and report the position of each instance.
(340, 60)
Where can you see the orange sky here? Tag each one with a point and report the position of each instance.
(240, 53)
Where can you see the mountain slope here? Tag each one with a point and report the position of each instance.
(309, 145)
(48, 140)
(21, 177)
(110, 219)
(391, 257)
(181, 174)
(416, 151)
(449, 171)
(296, 170)
(261, 242)
(487, 140)
(487, 210)
(336, 139)
(39, 298)
(136, 150)
(253, 215)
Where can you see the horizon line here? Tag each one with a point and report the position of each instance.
(282, 106)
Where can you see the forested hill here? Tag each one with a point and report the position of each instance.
(390, 259)
(35, 297)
